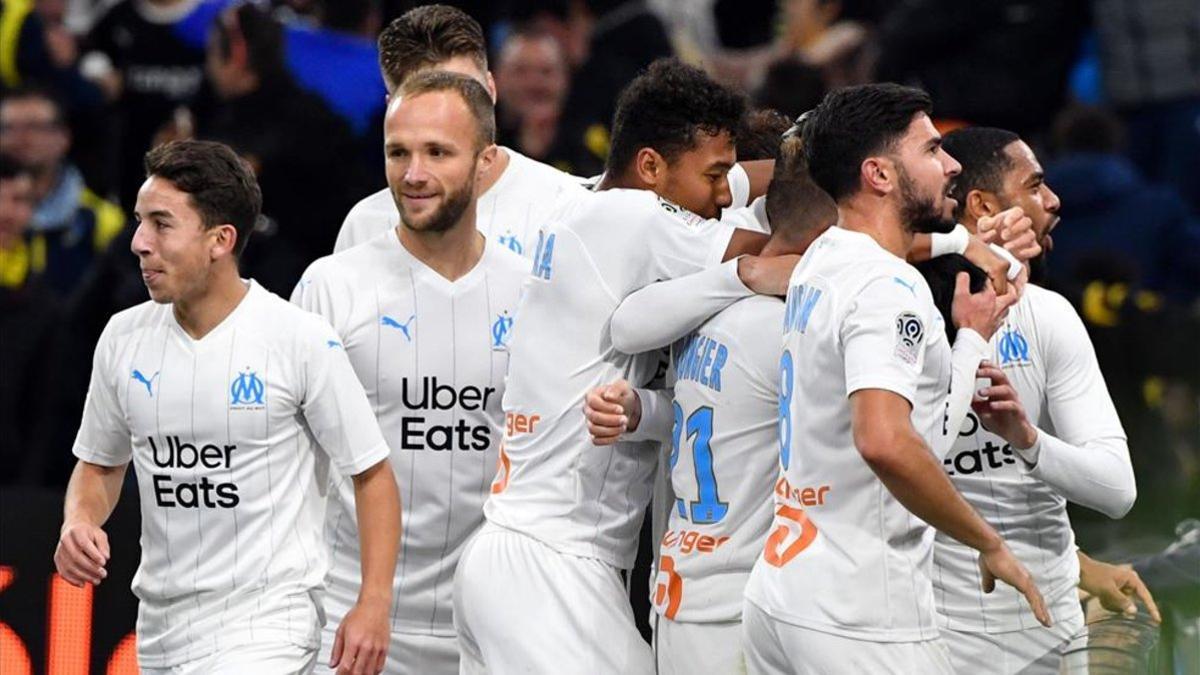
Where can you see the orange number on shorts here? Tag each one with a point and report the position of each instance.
(503, 468)
(795, 523)
(669, 592)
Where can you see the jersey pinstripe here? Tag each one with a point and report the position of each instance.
(432, 356)
(231, 437)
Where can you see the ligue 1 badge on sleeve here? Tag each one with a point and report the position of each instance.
(909, 334)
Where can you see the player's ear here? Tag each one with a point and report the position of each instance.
(224, 239)
(486, 159)
(878, 173)
(649, 166)
(491, 86)
(981, 203)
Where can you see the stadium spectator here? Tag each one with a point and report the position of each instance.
(28, 313)
(531, 86)
(287, 134)
(1152, 75)
(148, 56)
(1117, 226)
(71, 225)
(608, 42)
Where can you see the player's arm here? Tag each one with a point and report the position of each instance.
(1088, 463)
(361, 642)
(884, 436)
(619, 412)
(977, 316)
(104, 449)
(663, 312)
(83, 549)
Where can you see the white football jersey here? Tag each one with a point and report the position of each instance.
(553, 483)
(231, 438)
(509, 213)
(724, 461)
(844, 556)
(431, 355)
(1044, 349)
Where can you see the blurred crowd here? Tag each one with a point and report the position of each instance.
(1107, 90)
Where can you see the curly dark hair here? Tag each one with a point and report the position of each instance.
(980, 150)
(854, 123)
(221, 185)
(665, 107)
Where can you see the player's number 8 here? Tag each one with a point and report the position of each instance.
(785, 408)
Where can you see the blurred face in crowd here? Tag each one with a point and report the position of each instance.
(16, 206)
(176, 252)
(432, 159)
(925, 172)
(32, 132)
(698, 178)
(532, 74)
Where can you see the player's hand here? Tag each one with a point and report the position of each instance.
(611, 411)
(1116, 587)
(82, 554)
(982, 312)
(1000, 410)
(1000, 563)
(1013, 230)
(992, 265)
(360, 646)
(767, 275)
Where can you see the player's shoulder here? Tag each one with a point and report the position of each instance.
(502, 260)
(373, 205)
(527, 168)
(752, 320)
(753, 307)
(146, 315)
(1044, 299)
(358, 261)
(283, 322)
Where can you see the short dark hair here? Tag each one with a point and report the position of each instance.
(764, 132)
(941, 273)
(795, 205)
(262, 34)
(478, 100)
(11, 167)
(40, 93)
(221, 186)
(665, 107)
(426, 36)
(854, 123)
(980, 150)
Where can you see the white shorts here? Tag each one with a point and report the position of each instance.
(1034, 651)
(260, 658)
(777, 647)
(523, 607)
(686, 648)
(408, 654)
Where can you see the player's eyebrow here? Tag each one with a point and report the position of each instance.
(933, 142)
(1035, 177)
(720, 166)
(161, 214)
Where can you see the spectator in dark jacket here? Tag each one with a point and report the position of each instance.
(305, 157)
(1117, 227)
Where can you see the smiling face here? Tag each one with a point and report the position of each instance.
(174, 249)
(925, 173)
(433, 158)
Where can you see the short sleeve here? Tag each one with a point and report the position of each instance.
(884, 335)
(315, 293)
(335, 407)
(104, 436)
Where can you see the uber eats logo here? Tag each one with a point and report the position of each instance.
(429, 394)
(989, 456)
(175, 453)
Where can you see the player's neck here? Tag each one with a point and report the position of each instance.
(451, 253)
(493, 176)
(199, 315)
(878, 220)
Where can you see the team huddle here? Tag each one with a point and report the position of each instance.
(828, 377)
